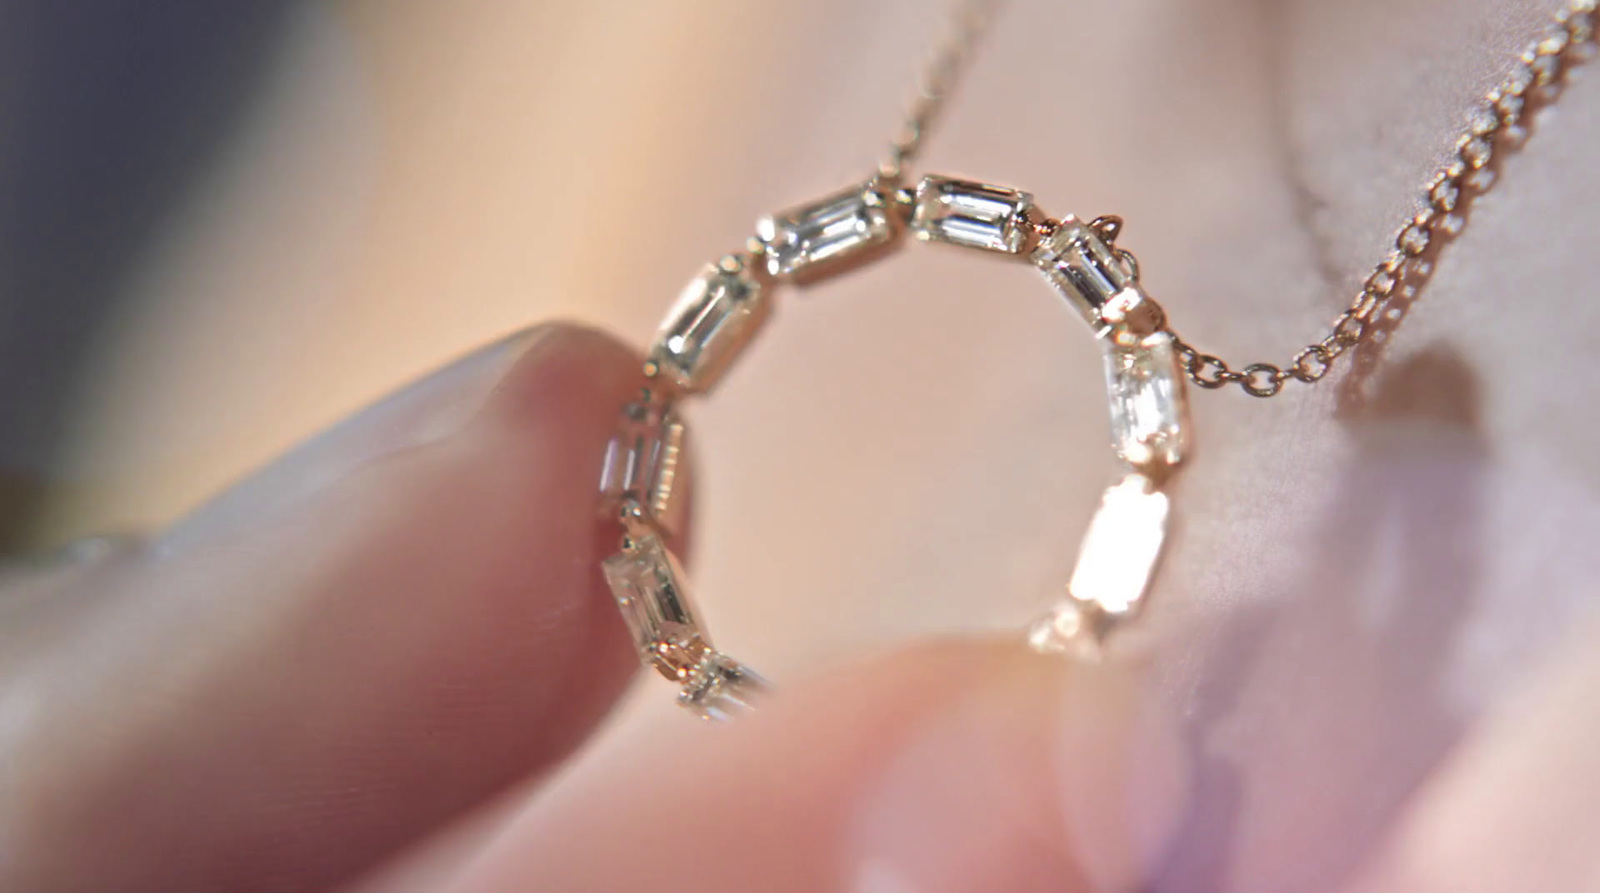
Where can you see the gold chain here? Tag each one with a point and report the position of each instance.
(1492, 127)
(969, 22)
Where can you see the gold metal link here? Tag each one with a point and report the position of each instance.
(1351, 328)
(1204, 369)
(1311, 364)
(1129, 261)
(1262, 379)
(1568, 42)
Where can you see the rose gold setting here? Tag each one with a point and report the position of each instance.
(1147, 365)
(718, 314)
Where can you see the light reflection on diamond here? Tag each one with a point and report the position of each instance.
(1149, 402)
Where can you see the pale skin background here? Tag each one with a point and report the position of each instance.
(915, 449)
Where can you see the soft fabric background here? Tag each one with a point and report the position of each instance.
(916, 448)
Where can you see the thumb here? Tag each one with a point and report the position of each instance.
(289, 697)
(960, 767)
(1517, 808)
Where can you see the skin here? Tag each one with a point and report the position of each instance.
(1367, 640)
(296, 692)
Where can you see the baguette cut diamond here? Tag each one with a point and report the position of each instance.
(648, 583)
(1083, 268)
(1118, 556)
(716, 315)
(973, 215)
(641, 462)
(1116, 562)
(1149, 403)
(829, 235)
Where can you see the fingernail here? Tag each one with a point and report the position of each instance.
(1044, 775)
(428, 409)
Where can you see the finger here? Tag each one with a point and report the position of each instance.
(427, 410)
(1517, 808)
(42, 596)
(276, 708)
(961, 767)
(52, 590)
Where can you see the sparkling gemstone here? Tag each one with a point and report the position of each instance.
(1149, 406)
(721, 688)
(649, 586)
(829, 235)
(1119, 553)
(973, 215)
(716, 315)
(641, 463)
(1083, 268)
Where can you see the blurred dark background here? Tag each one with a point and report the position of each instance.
(111, 111)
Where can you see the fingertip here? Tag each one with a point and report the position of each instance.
(569, 372)
(955, 766)
(327, 680)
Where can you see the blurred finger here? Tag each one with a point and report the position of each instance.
(276, 707)
(429, 409)
(1517, 808)
(42, 595)
(962, 767)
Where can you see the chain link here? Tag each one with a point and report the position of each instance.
(969, 22)
(1469, 174)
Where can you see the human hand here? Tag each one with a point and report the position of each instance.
(403, 619)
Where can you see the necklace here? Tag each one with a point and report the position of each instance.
(1147, 364)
